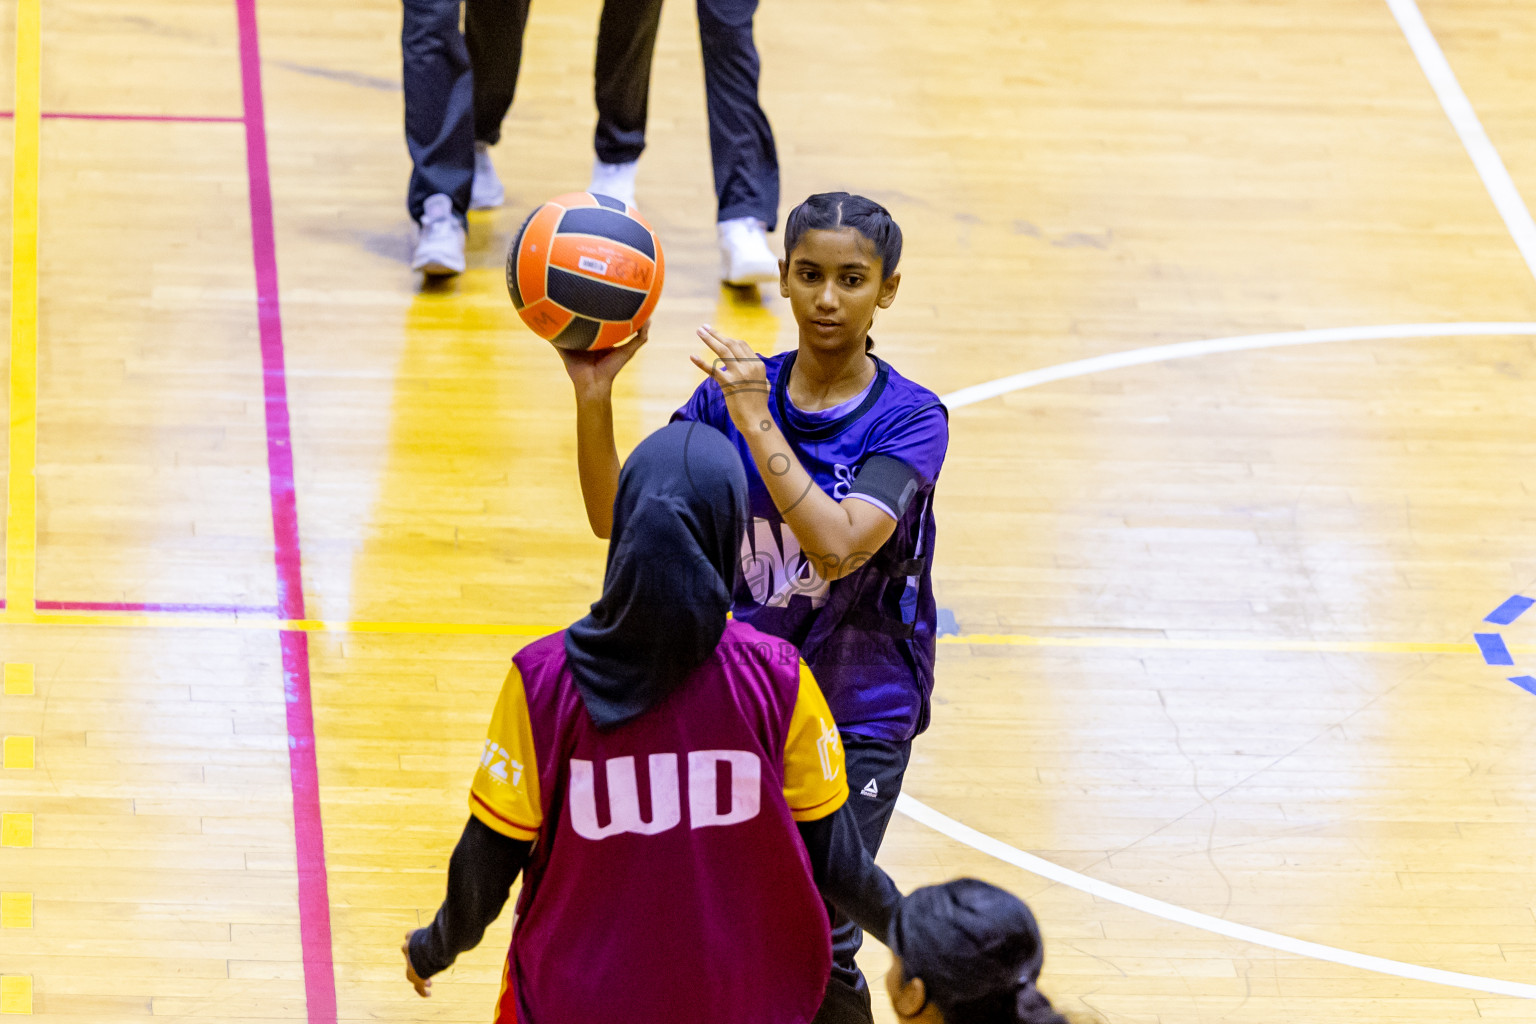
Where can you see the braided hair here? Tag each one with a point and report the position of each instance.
(833, 211)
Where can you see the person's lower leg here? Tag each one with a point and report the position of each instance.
(626, 43)
(746, 165)
(439, 115)
(493, 35)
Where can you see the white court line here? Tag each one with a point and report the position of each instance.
(1242, 343)
(922, 813)
(1464, 119)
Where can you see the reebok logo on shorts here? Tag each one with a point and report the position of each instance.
(870, 789)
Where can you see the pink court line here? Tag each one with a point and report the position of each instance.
(303, 773)
(184, 118)
(153, 607)
(156, 607)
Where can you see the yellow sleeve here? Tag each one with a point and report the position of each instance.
(814, 782)
(505, 793)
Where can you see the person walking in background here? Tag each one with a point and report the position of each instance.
(746, 167)
(626, 42)
(458, 86)
(439, 132)
(746, 163)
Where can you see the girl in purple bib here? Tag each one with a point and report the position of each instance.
(842, 455)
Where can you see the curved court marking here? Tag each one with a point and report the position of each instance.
(1213, 346)
(921, 812)
(964, 834)
(954, 400)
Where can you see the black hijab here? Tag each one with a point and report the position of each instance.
(978, 950)
(678, 523)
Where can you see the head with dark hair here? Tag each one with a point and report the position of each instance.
(840, 257)
(967, 953)
(834, 211)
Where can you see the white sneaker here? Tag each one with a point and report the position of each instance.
(616, 180)
(745, 257)
(440, 249)
(486, 193)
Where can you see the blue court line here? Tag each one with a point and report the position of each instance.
(1494, 650)
(1510, 610)
(1527, 683)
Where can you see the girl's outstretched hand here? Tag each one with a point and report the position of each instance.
(592, 373)
(742, 376)
(423, 986)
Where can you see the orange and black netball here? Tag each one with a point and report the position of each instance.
(585, 271)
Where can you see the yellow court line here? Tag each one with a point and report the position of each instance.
(18, 753)
(15, 993)
(19, 680)
(21, 502)
(111, 620)
(15, 910)
(16, 829)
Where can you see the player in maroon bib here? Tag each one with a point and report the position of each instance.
(669, 783)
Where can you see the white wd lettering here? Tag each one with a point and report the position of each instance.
(746, 787)
(624, 798)
(746, 773)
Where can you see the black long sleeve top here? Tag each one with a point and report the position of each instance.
(485, 864)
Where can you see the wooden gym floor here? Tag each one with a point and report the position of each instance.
(1213, 655)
